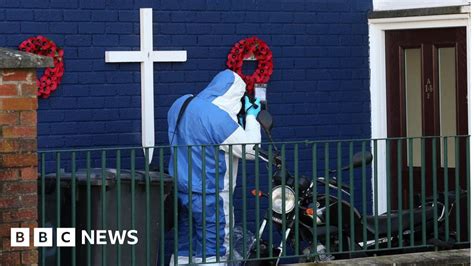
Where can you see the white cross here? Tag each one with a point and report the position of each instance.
(146, 57)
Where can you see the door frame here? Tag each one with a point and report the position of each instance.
(378, 88)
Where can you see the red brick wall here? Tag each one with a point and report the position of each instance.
(18, 161)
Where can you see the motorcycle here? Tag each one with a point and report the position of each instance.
(301, 213)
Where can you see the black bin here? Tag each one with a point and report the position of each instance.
(110, 213)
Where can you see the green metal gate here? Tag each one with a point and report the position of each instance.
(114, 189)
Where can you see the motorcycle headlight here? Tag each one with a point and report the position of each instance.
(277, 199)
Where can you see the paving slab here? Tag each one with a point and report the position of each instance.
(445, 257)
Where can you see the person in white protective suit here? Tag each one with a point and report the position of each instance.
(209, 118)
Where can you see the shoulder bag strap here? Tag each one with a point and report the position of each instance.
(180, 115)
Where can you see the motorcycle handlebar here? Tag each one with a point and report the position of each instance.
(276, 160)
(333, 182)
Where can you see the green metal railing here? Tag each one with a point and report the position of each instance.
(413, 195)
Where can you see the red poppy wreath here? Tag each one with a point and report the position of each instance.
(246, 48)
(52, 76)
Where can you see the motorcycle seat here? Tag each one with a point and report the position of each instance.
(451, 196)
(394, 220)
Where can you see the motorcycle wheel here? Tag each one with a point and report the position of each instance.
(262, 261)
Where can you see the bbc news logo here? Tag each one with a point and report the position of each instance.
(66, 237)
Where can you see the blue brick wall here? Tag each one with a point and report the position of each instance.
(319, 89)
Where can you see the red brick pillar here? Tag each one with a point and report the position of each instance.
(18, 151)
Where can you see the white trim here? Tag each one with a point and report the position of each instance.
(470, 107)
(438, 21)
(409, 4)
(377, 28)
(465, 9)
(378, 108)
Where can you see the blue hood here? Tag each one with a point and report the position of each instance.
(225, 91)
